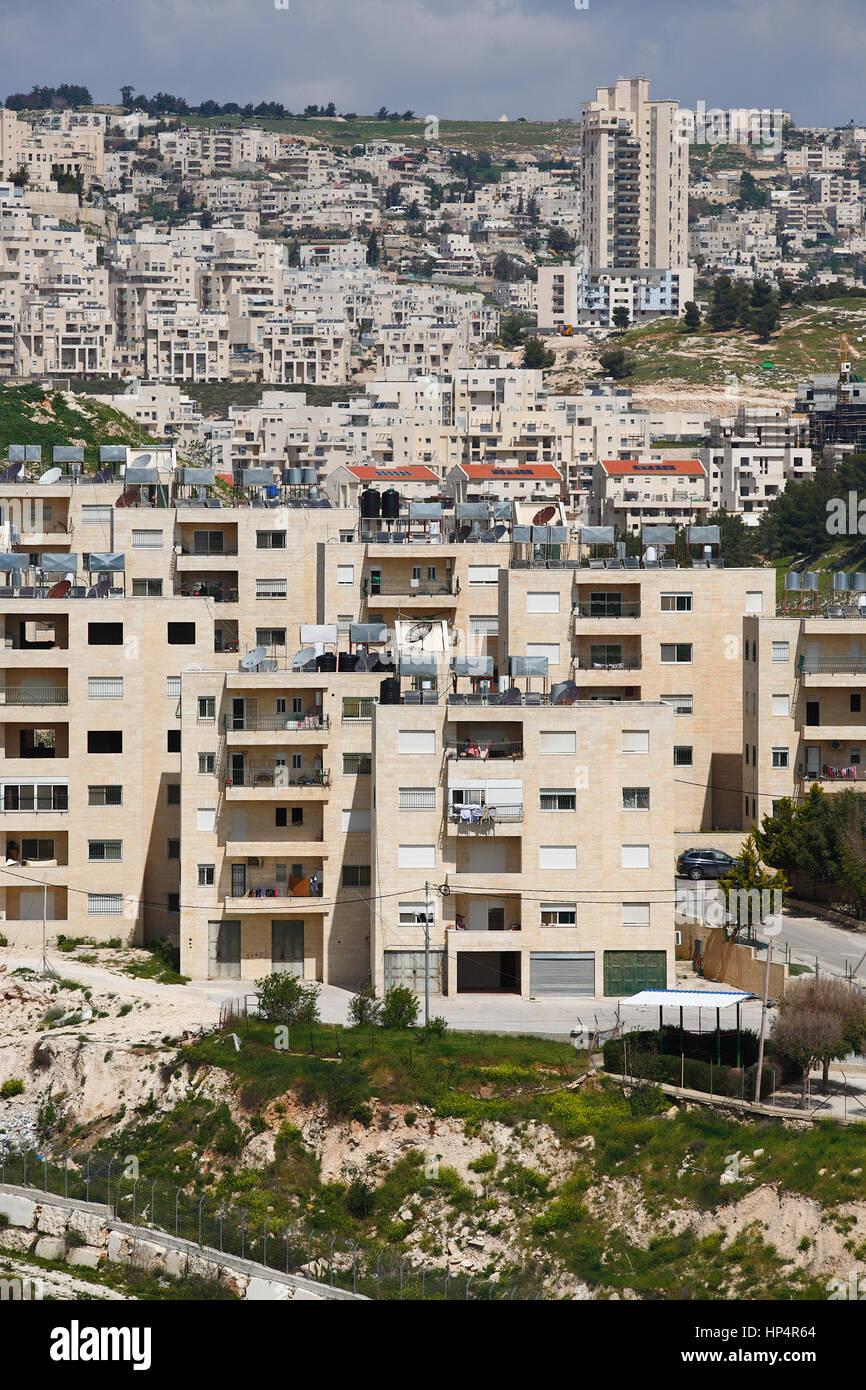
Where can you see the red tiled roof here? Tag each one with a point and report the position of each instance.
(477, 472)
(688, 467)
(410, 472)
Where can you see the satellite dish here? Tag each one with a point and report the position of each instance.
(102, 588)
(418, 631)
(302, 657)
(52, 476)
(12, 473)
(252, 659)
(126, 499)
(142, 461)
(546, 514)
(366, 661)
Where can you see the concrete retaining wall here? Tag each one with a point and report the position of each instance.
(731, 963)
(86, 1234)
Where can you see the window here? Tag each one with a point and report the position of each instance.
(557, 741)
(781, 704)
(676, 653)
(104, 741)
(557, 799)
(96, 516)
(780, 757)
(105, 687)
(345, 574)
(635, 798)
(357, 764)
(206, 764)
(271, 588)
(104, 904)
(356, 820)
(682, 704)
(172, 687)
(205, 818)
(483, 574)
(206, 876)
(206, 708)
(356, 875)
(484, 625)
(104, 796)
(635, 914)
(635, 740)
(281, 817)
(780, 653)
(172, 793)
(105, 634)
(855, 704)
(181, 634)
(358, 707)
(416, 741)
(297, 815)
(37, 849)
(550, 650)
(414, 914)
(270, 540)
(416, 856)
(557, 856)
(542, 602)
(417, 798)
(675, 603)
(682, 755)
(147, 588)
(147, 540)
(754, 601)
(270, 636)
(635, 856)
(40, 796)
(172, 902)
(558, 915)
(344, 623)
(173, 849)
(172, 741)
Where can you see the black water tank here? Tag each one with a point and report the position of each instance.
(326, 662)
(389, 691)
(370, 502)
(347, 661)
(390, 504)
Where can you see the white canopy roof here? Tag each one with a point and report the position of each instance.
(687, 998)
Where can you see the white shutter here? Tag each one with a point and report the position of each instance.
(104, 904)
(542, 603)
(416, 741)
(105, 687)
(635, 740)
(781, 704)
(557, 741)
(754, 601)
(147, 540)
(345, 574)
(635, 914)
(172, 687)
(483, 574)
(205, 818)
(95, 516)
(557, 856)
(504, 792)
(356, 820)
(416, 856)
(548, 649)
(635, 856)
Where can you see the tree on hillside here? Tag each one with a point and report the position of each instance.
(511, 331)
(617, 363)
(621, 318)
(372, 249)
(559, 241)
(751, 195)
(748, 875)
(808, 1037)
(691, 317)
(536, 355)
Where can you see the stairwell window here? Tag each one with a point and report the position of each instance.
(780, 757)
(683, 755)
(206, 875)
(104, 904)
(675, 603)
(101, 795)
(107, 851)
(676, 653)
(635, 798)
(781, 653)
(557, 799)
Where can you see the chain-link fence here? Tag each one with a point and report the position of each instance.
(326, 1256)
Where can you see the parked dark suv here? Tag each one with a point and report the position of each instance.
(703, 863)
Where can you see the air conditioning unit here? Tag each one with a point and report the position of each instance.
(834, 743)
(253, 862)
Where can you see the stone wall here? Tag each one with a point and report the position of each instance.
(86, 1235)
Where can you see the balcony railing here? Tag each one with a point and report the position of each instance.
(35, 799)
(275, 775)
(833, 665)
(254, 723)
(409, 588)
(609, 610)
(305, 888)
(34, 695)
(484, 749)
(477, 817)
(585, 663)
(206, 554)
(209, 591)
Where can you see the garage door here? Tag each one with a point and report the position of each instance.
(562, 972)
(626, 972)
(407, 968)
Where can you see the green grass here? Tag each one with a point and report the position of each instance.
(470, 135)
(31, 415)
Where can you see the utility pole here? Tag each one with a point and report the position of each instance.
(763, 1021)
(426, 953)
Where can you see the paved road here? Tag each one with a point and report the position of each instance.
(837, 949)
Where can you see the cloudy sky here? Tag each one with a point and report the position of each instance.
(471, 58)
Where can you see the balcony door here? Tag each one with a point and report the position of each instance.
(287, 948)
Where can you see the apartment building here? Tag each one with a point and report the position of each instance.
(634, 179)
(631, 493)
(186, 344)
(804, 719)
(752, 458)
(579, 296)
(303, 349)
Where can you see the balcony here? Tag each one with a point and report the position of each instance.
(208, 589)
(592, 663)
(34, 695)
(610, 609)
(478, 819)
(484, 749)
(275, 775)
(409, 588)
(266, 723)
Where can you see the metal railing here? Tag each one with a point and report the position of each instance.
(585, 663)
(275, 775)
(491, 813)
(410, 588)
(34, 695)
(254, 723)
(833, 665)
(209, 591)
(305, 889)
(208, 554)
(613, 610)
(482, 750)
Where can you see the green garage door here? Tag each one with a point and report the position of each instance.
(562, 973)
(626, 972)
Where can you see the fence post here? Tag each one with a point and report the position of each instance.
(45, 1172)
(153, 1203)
(243, 1227)
(66, 1174)
(331, 1261)
(201, 1203)
(267, 1223)
(176, 1200)
(111, 1163)
(379, 1276)
(87, 1179)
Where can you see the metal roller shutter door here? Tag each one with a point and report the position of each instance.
(562, 973)
(407, 968)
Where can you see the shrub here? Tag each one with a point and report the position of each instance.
(13, 1087)
(285, 999)
(409, 1118)
(399, 1008)
(4, 940)
(434, 1028)
(360, 1199)
(124, 1010)
(364, 1007)
(484, 1164)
